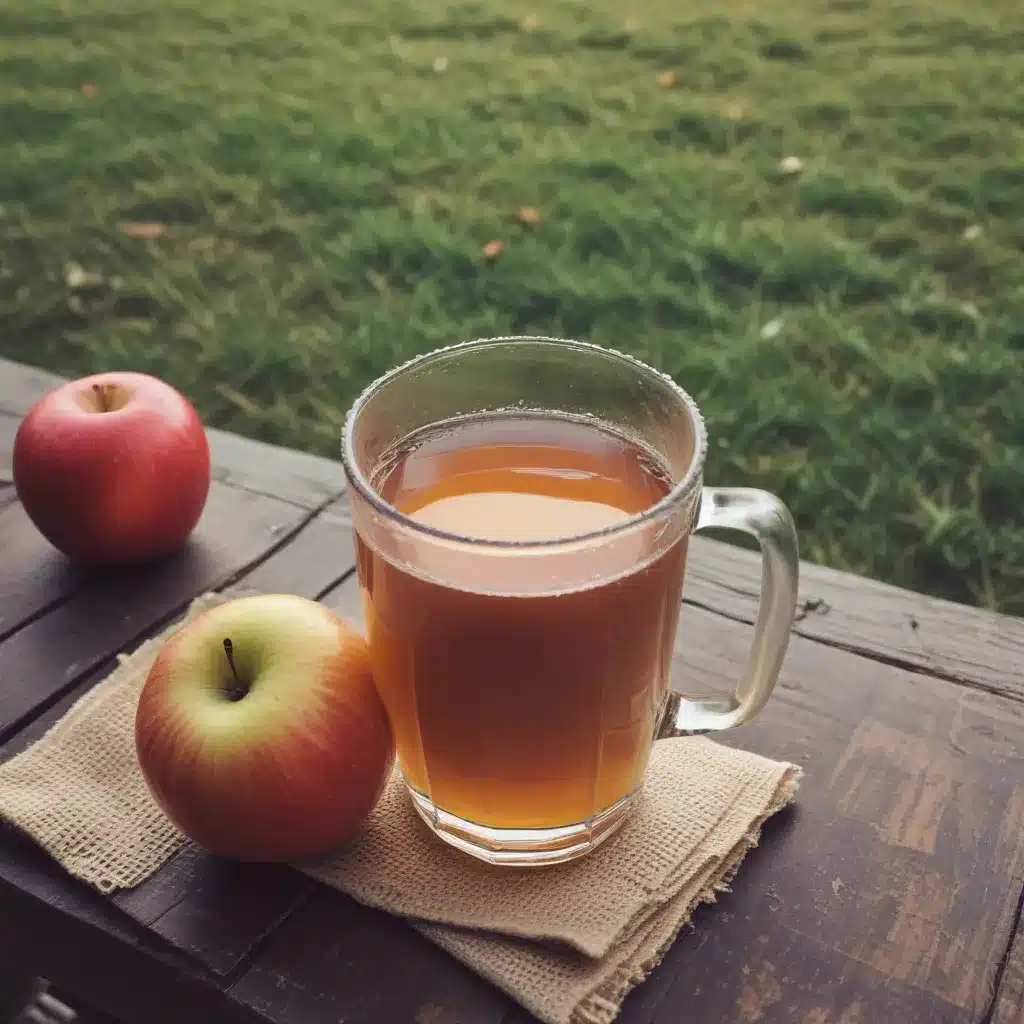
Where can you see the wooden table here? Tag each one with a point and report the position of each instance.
(891, 892)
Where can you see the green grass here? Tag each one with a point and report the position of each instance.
(329, 173)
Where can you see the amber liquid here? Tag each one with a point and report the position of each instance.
(521, 711)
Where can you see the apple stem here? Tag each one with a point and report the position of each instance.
(239, 690)
(101, 396)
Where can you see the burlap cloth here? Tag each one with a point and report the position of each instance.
(567, 942)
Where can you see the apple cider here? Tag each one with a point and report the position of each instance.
(519, 707)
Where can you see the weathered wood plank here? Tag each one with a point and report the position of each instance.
(303, 479)
(1008, 1005)
(56, 927)
(317, 559)
(215, 910)
(334, 960)
(40, 662)
(8, 428)
(21, 386)
(949, 640)
(900, 867)
(898, 855)
(303, 565)
(778, 977)
(33, 574)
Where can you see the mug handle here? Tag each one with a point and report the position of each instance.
(765, 517)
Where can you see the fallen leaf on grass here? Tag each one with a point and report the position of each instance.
(136, 323)
(973, 232)
(772, 329)
(529, 23)
(89, 91)
(441, 65)
(528, 215)
(667, 79)
(493, 249)
(236, 398)
(77, 277)
(141, 229)
(791, 165)
(378, 281)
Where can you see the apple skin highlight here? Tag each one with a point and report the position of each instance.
(287, 770)
(113, 468)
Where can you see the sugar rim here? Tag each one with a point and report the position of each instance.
(675, 496)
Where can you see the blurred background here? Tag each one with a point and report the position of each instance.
(809, 212)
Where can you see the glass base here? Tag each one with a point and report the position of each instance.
(522, 847)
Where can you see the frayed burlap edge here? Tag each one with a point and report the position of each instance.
(603, 1005)
(500, 958)
(77, 791)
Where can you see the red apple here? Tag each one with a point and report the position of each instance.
(260, 731)
(113, 468)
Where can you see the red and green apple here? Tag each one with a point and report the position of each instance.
(260, 731)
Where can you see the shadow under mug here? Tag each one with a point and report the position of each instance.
(524, 718)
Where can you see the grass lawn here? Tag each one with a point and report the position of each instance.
(269, 204)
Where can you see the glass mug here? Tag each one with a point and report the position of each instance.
(521, 511)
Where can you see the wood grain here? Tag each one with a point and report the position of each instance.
(1008, 1000)
(780, 975)
(317, 559)
(313, 561)
(1008, 1006)
(56, 927)
(215, 910)
(288, 475)
(900, 867)
(303, 479)
(967, 645)
(47, 656)
(8, 428)
(34, 576)
(335, 960)
(898, 856)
